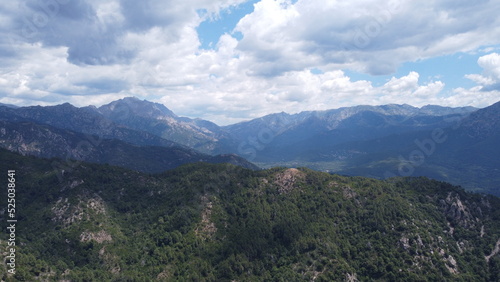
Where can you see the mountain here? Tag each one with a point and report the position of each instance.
(208, 222)
(463, 151)
(457, 145)
(276, 134)
(83, 120)
(157, 119)
(130, 120)
(45, 141)
(331, 119)
(290, 137)
(482, 124)
(8, 105)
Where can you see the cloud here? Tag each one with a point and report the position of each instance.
(291, 55)
(79, 25)
(490, 78)
(487, 89)
(366, 36)
(95, 31)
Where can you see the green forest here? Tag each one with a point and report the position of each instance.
(219, 222)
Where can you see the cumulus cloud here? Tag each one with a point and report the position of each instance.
(95, 51)
(490, 78)
(368, 36)
(95, 31)
(487, 90)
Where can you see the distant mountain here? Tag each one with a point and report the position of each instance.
(130, 107)
(462, 151)
(84, 120)
(8, 105)
(382, 141)
(294, 136)
(330, 119)
(276, 135)
(45, 141)
(155, 118)
(204, 222)
(484, 123)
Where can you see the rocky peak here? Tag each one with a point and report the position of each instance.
(133, 106)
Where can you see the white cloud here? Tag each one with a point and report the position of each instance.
(491, 70)
(487, 89)
(95, 51)
(471, 97)
(366, 36)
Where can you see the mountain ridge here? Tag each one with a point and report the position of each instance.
(161, 108)
(45, 141)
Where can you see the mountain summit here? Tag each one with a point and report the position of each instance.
(132, 106)
(157, 119)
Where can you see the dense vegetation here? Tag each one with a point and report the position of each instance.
(210, 222)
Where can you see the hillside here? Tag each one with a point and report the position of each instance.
(46, 141)
(223, 223)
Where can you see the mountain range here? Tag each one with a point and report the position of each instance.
(375, 141)
(84, 134)
(45, 141)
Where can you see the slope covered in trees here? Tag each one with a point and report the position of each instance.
(221, 223)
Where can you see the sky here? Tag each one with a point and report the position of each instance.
(232, 60)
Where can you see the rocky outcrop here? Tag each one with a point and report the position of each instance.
(287, 180)
(206, 229)
(457, 211)
(100, 237)
(495, 251)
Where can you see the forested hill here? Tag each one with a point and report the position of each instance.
(209, 222)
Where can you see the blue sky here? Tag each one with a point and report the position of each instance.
(210, 30)
(450, 69)
(233, 60)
